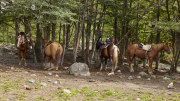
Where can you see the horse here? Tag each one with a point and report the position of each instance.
(53, 50)
(23, 44)
(134, 51)
(109, 52)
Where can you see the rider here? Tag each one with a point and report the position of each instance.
(109, 40)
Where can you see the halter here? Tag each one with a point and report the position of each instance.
(166, 47)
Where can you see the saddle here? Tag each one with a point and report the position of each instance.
(147, 48)
(105, 45)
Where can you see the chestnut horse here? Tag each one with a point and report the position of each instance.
(134, 51)
(23, 45)
(109, 52)
(52, 50)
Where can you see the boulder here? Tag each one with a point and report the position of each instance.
(79, 69)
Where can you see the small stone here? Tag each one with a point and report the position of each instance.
(91, 80)
(66, 68)
(49, 80)
(43, 84)
(55, 82)
(173, 78)
(138, 99)
(148, 79)
(60, 82)
(56, 75)
(118, 71)
(138, 77)
(66, 91)
(163, 81)
(33, 75)
(153, 76)
(143, 74)
(26, 72)
(166, 76)
(130, 77)
(49, 73)
(170, 86)
(31, 81)
(12, 68)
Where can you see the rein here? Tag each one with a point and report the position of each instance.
(165, 47)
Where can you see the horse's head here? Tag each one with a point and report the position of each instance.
(166, 47)
(20, 40)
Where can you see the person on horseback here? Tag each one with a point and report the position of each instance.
(109, 40)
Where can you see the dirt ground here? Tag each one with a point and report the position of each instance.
(14, 85)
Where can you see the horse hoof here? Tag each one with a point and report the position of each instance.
(131, 70)
(44, 68)
(19, 64)
(49, 69)
(112, 73)
(25, 64)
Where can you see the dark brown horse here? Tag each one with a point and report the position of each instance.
(52, 50)
(134, 51)
(23, 45)
(109, 51)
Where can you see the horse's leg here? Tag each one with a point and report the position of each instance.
(45, 62)
(106, 64)
(131, 58)
(50, 63)
(150, 66)
(101, 63)
(25, 57)
(19, 57)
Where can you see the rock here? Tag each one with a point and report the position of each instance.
(143, 74)
(153, 76)
(118, 71)
(66, 68)
(43, 84)
(31, 81)
(163, 81)
(138, 99)
(33, 75)
(49, 80)
(173, 78)
(55, 82)
(91, 80)
(56, 75)
(49, 73)
(148, 79)
(79, 69)
(121, 76)
(170, 86)
(48, 65)
(66, 91)
(166, 78)
(130, 77)
(138, 77)
(27, 87)
(12, 68)
(26, 72)
(60, 82)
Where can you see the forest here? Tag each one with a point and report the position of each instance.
(77, 23)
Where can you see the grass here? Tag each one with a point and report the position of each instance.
(163, 92)
(143, 92)
(21, 97)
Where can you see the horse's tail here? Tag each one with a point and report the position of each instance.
(58, 56)
(115, 55)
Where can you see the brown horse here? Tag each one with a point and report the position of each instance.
(109, 52)
(23, 45)
(134, 51)
(52, 50)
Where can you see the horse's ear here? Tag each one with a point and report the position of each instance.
(18, 34)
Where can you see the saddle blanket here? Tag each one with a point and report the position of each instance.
(145, 47)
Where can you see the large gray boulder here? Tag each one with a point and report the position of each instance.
(79, 69)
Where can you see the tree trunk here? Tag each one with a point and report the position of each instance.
(26, 20)
(135, 62)
(7, 34)
(79, 34)
(68, 35)
(46, 30)
(158, 35)
(53, 31)
(38, 42)
(17, 27)
(60, 34)
(3, 35)
(83, 52)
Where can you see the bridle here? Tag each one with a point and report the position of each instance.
(168, 49)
